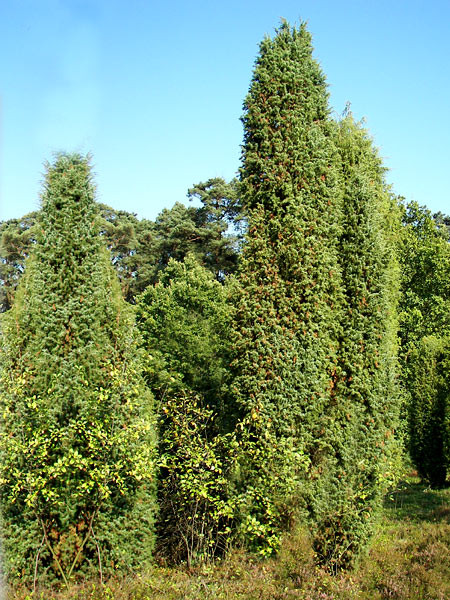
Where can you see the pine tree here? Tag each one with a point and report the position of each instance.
(76, 442)
(16, 238)
(287, 323)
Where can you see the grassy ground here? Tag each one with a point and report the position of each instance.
(409, 559)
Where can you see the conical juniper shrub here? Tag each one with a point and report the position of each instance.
(429, 409)
(363, 411)
(288, 313)
(76, 440)
(424, 316)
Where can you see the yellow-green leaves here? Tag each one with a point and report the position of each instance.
(77, 437)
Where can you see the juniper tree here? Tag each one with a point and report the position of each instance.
(424, 318)
(429, 409)
(288, 315)
(76, 442)
(364, 404)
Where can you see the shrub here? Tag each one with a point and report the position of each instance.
(77, 438)
(429, 412)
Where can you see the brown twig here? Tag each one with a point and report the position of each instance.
(49, 546)
(36, 564)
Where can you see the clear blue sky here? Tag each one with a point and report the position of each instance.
(154, 90)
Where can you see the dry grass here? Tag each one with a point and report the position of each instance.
(408, 560)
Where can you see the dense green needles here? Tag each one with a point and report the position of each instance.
(315, 326)
(293, 345)
(77, 442)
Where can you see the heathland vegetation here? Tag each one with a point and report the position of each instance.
(223, 403)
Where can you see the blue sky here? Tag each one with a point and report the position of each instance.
(154, 90)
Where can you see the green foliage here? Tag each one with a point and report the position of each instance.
(315, 326)
(286, 326)
(277, 392)
(196, 507)
(442, 221)
(408, 560)
(184, 322)
(424, 319)
(221, 210)
(133, 247)
(201, 232)
(220, 200)
(424, 254)
(141, 249)
(266, 490)
(429, 410)
(364, 399)
(77, 439)
(16, 238)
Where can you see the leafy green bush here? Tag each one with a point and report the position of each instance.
(197, 510)
(184, 321)
(266, 485)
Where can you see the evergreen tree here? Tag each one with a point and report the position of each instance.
(76, 441)
(221, 210)
(288, 314)
(315, 324)
(133, 248)
(424, 319)
(198, 231)
(364, 403)
(429, 409)
(16, 239)
(220, 200)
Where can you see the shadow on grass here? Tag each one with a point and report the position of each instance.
(416, 502)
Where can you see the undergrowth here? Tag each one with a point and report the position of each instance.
(407, 560)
